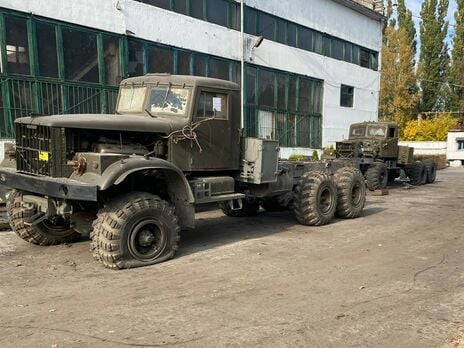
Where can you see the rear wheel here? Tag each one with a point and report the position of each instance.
(376, 176)
(431, 168)
(250, 207)
(351, 191)
(315, 199)
(47, 232)
(417, 173)
(134, 230)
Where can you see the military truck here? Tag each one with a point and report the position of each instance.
(375, 146)
(131, 181)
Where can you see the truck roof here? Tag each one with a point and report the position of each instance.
(180, 80)
(388, 124)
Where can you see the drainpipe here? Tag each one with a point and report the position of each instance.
(242, 67)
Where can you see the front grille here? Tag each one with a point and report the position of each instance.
(38, 149)
(345, 149)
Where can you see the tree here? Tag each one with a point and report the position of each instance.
(405, 22)
(433, 58)
(398, 96)
(457, 61)
(389, 21)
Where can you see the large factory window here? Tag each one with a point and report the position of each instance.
(80, 55)
(135, 63)
(46, 50)
(17, 47)
(160, 60)
(111, 59)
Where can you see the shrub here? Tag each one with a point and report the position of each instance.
(435, 129)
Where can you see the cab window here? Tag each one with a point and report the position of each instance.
(212, 104)
(391, 132)
(375, 131)
(358, 132)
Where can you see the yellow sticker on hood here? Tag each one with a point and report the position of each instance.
(43, 156)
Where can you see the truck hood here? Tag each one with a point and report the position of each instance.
(134, 123)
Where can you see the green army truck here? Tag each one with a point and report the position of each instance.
(374, 145)
(130, 181)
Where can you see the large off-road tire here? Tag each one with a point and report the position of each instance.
(250, 207)
(134, 230)
(431, 168)
(277, 203)
(351, 191)
(46, 232)
(417, 173)
(315, 199)
(376, 176)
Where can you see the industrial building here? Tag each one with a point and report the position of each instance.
(311, 67)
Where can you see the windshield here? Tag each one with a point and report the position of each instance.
(376, 131)
(169, 100)
(358, 132)
(131, 99)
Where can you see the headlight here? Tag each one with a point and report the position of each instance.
(78, 164)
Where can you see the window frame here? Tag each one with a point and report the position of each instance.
(343, 95)
(199, 92)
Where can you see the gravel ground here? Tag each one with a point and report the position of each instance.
(393, 278)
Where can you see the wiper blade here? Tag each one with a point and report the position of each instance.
(149, 113)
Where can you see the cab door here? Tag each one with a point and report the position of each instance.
(218, 142)
(390, 149)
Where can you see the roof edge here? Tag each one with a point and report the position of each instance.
(362, 9)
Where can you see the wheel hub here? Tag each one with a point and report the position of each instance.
(146, 238)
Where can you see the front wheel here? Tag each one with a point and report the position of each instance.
(134, 230)
(50, 231)
(376, 176)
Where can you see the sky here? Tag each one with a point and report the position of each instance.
(415, 7)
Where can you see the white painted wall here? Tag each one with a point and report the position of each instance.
(158, 25)
(328, 17)
(453, 153)
(426, 147)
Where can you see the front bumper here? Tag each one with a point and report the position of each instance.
(43, 185)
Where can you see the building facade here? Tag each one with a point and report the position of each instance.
(315, 72)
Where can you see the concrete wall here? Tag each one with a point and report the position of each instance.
(426, 147)
(453, 153)
(158, 25)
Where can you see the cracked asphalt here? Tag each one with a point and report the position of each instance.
(393, 278)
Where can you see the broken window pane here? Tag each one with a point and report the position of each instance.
(80, 55)
(17, 48)
(111, 55)
(46, 50)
